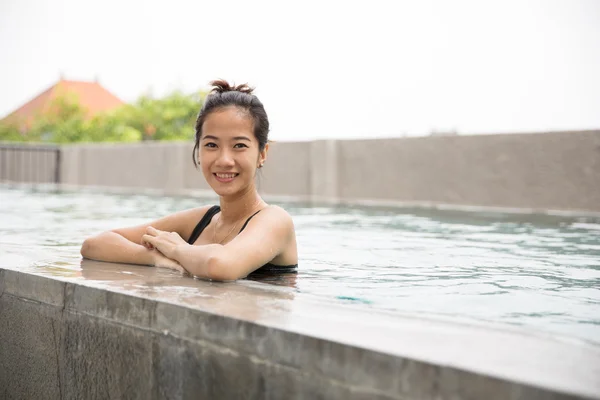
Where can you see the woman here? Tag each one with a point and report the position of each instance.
(225, 242)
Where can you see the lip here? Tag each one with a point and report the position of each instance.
(225, 180)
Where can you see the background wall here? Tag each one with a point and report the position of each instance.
(557, 170)
(29, 163)
(541, 171)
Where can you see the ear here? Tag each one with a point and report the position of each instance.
(262, 156)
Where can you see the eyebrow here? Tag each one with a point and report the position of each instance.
(234, 138)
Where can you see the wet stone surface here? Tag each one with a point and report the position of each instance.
(149, 334)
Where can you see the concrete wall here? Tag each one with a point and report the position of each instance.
(142, 165)
(550, 171)
(28, 163)
(287, 170)
(65, 340)
(540, 171)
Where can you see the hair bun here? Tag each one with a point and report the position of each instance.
(222, 86)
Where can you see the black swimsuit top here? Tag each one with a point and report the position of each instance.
(268, 267)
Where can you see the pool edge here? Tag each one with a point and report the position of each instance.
(277, 357)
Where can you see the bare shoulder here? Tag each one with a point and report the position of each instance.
(186, 220)
(182, 219)
(193, 212)
(278, 216)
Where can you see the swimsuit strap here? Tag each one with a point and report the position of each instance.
(203, 223)
(248, 220)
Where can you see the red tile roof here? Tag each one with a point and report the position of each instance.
(91, 96)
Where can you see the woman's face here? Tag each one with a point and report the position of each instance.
(229, 152)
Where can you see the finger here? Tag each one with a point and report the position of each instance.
(148, 239)
(182, 270)
(152, 231)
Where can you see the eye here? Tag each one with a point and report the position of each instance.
(239, 146)
(210, 144)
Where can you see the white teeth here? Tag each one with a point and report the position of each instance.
(225, 176)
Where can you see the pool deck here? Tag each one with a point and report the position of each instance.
(254, 340)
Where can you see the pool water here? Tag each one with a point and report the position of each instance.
(536, 271)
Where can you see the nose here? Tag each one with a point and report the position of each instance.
(225, 159)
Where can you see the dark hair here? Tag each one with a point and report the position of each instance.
(224, 95)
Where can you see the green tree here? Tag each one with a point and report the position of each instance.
(11, 133)
(66, 121)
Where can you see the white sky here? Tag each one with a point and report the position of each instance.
(326, 69)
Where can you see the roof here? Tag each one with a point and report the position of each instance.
(91, 95)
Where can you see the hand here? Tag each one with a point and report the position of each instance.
(159, 260)
(165, 242)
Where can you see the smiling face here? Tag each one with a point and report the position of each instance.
(229, 153)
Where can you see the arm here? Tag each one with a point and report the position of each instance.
(125, 245)
(125, 251)
(265, 237)
(113, 247)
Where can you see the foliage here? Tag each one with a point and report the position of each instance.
(66, 121)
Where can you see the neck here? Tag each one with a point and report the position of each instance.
(234, 208)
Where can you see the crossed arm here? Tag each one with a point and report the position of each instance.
(161, 243)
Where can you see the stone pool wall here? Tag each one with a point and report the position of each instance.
(146, 339)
